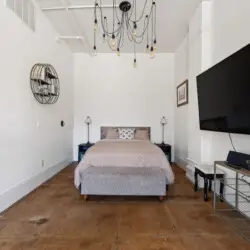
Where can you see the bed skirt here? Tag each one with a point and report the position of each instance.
(123, 181)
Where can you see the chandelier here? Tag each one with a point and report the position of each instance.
(126, 21)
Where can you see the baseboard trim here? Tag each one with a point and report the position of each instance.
(11, 196)
(182, 163)
(190, 178)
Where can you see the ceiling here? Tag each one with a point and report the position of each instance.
(172, 23)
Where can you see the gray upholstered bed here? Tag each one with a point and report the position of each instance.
(124, 167)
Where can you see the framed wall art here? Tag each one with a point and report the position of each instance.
(182, 94)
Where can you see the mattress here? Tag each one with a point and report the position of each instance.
(122, 154)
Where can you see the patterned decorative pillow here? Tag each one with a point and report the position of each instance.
(126, 133)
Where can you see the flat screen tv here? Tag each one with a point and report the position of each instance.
(224, 95)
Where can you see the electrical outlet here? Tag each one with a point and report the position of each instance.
(42, 163)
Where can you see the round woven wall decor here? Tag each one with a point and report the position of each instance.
(44, 83)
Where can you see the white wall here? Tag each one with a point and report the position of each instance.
(218, 29)
(112, 92)
(195, 45)
(230, 32)
(23, 144)
(181, 113)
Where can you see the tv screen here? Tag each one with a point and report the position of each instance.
(224, 95)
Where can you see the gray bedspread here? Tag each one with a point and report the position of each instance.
(124, 154)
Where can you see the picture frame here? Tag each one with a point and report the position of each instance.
(182, 94)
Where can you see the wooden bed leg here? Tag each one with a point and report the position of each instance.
(85, 198)
(161, 198)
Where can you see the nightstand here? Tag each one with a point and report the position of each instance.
(82, 148)
(166, 148)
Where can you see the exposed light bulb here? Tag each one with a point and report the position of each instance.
(113, 42)
(134, 31)
(155, 47)
(95, 25)
(118, 52)
(104, 38)
(147, 49)
(152, 53)
(135, 63)
(94, 52)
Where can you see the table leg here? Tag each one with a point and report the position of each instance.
(221, 190)
(195, 181)
(205, 189)
(210, 185)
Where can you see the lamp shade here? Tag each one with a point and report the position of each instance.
(88, 120)
(164, 120)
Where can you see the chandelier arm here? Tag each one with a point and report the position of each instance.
(135, 16)
(95, 8)
(152, 31)
(129, 32)
(134, 53)
(145, 28)
(106, 30)
(113, 16)
(155, 21)
(130, 36)
(119, 41)
(147, 34)
(109, 34)
(142, 14)
(95, 39)
(117, 13)
(132, 9)
(121, 27)
(103, 27)
(114, 10)
(133, 38)
(122, 38)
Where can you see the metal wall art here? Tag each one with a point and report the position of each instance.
(44, 83)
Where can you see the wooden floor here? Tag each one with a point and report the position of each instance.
(53, 217)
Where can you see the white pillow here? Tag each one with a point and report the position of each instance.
(126, 133)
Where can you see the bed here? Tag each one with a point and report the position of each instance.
(116, 166)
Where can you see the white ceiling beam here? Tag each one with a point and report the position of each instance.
(71, 16)
(64, 38)
(75, 7)
(70, 37)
